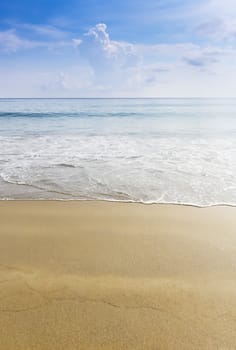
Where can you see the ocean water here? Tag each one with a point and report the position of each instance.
(142, 150)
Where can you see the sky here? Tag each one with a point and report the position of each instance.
(122, 48)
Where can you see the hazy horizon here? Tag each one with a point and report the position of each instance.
(119, 98)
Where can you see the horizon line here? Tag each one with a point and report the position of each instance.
(112, 98)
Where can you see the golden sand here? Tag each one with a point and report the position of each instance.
(99, 275)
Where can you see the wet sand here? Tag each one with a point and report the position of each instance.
(99, 275)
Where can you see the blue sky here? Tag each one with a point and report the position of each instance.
(171, 48)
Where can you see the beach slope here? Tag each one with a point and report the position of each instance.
(99, 275)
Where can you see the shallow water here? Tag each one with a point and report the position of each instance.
(143, 150)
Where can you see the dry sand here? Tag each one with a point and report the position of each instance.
(99, 275)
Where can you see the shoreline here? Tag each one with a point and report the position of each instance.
(220, 205)
(103, 275)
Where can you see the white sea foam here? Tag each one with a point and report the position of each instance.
(155, 152)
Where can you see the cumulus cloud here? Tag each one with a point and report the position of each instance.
(101, 51)
(111, 48)
(118, 65)
(101, 66)
(109, 59)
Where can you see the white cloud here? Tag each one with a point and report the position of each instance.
(72, 80)
(103, 67)
(125, 69)
(203, 57)
(218, 8)
(218, 29)
(146, 75)
(111, 48)
(46, 31)
(110, 60)
(11, 42)
(76, 42)
(217, 21)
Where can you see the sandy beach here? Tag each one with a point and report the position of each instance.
(99, 275)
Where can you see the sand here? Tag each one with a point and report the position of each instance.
(99, 275)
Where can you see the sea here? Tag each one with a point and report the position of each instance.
(180, 151)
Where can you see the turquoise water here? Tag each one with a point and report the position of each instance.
(142, 150)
